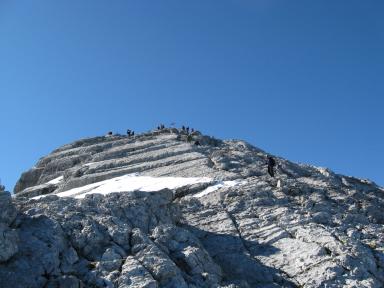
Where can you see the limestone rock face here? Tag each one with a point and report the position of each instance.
(8, 243)
(157, 210)
(8, 236)
(7, 209)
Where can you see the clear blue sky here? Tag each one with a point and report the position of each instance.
(301, 79)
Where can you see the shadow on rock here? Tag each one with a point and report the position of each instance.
(236, 257)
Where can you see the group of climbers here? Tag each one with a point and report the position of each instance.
(189, 135)
(129, 133)
(186, 129)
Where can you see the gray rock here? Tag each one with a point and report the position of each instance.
(37, 190)
(28, 179)
(156, 261)
(321, 217)
(69, 258)
(7, 210)
(186, 250)
(65, 281)
(318, 229)
(8, 243)
(134, 275)
(111, 260)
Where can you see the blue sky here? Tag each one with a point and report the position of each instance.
(301, 79)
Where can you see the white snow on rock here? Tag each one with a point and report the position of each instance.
(132, 182)
(56, 180)
(89, 164)
(217, 186)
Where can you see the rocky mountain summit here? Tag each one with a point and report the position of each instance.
(157, 210)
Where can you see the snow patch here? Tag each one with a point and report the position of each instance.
(217, 186)
(129, 183)
(56, 180)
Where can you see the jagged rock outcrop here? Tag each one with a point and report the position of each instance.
(8, 236)
(176, 214)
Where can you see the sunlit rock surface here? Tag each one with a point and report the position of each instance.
(156, 210)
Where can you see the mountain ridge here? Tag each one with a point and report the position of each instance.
(224, 222)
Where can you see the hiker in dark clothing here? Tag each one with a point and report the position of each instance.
(271, 165)
(110, 133)
(133, 133)
(187, 129)
(197, 143)
(129, 132)
(183, 128)
(192, 130)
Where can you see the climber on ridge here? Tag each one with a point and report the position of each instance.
(271, 165)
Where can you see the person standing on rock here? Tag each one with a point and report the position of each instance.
(271, 165)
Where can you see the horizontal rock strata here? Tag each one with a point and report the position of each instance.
(238, 227)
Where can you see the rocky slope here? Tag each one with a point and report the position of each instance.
(175, 214)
